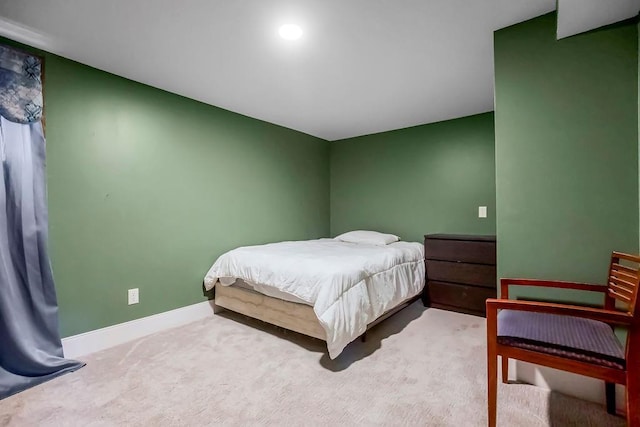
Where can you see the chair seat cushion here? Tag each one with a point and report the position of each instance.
(575, 338)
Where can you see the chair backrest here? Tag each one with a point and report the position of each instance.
(623, 281)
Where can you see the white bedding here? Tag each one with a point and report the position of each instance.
(349, 285)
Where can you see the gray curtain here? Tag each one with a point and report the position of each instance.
(30, 346)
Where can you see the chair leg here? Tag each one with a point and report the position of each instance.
(633, 399)
(505, 369)
(492, 386)
(492, 367)
(610, 393)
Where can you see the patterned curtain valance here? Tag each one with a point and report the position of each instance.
(20, 86)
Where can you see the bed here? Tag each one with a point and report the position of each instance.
(329, 289)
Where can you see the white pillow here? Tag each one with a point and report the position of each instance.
(370, 237)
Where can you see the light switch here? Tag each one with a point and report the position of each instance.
(482, 211)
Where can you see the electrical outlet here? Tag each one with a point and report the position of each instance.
(482, 211)
(134, 296)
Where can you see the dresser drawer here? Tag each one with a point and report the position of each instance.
(465, 298)
(459, 272)
(475, 251)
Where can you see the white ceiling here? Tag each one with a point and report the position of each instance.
(361, 67)
(577, 16)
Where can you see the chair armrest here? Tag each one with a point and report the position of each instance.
(505, 283)
(603, 315)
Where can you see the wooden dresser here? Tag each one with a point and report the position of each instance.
(461, 272)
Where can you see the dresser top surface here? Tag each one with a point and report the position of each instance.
(466, 237)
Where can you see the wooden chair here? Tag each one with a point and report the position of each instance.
(570, 337)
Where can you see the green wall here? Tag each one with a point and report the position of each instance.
(414, 181)
(147, 188)
(566, 149)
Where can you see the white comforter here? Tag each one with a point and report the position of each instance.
(349, 285)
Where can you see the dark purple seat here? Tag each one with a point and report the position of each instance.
(575, 338)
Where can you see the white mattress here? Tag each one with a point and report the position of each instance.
(349, 285)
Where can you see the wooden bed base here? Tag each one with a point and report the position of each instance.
(289, 315)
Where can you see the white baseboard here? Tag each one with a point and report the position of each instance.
(564, 382)
(100, 339)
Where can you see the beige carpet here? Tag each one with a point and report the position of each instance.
(421, 367)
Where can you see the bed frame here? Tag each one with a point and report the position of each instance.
(289, 315)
